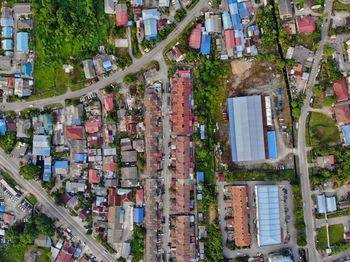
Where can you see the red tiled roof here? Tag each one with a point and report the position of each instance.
(108, 103)
(74, 132)
(121, 18)
(306, 24)
(8, 218)
(347, 236)
(139, 197)
(230, 39)
(183, 240)
(194, 41)
(93, 176)
(342, 114)
(110, 167)
(340, 90)
(240, 215)
(64, 256)
(181, 116)
(92, 126)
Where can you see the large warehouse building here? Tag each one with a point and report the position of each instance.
(250, 118)
(268, 215)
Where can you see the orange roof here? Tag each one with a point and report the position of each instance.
(240, 215)
(108, 103)
(110, 167)
(340, 90)
(93, 176)
(93, 126)
(139, 197)
(74, 132)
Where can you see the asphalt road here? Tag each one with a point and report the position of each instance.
(302, 148)
(117, 76)
(53, 210)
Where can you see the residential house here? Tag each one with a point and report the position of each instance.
(61, 167)
(150, 18)
(75, 187)
(129, 156)
(121, 15)
(23, 128)
(22, 42)
(306, 24)
(342, 114)
(326, 161)
(341, 90)
(75, 132)
(285, 9)
(129, 176)
(89, 69)
(194, 40)
(110, 6)
(41, 146)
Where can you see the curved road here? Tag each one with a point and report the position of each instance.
(147, 58)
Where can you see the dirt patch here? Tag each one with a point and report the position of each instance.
(212, 214)
(240, 67)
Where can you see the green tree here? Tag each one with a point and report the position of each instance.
(8, 142)
(30, 171)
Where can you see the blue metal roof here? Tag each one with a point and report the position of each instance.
(6, 21)
(7, 44)
(271, 140)
(202, 131)
(2, 127)
(151, 30)
(80, 158)
(7, 32)
(209, 25)
(2, 211)
(107, 65)
(41, 145)
(61, 164)
(321, 204)
(243, 11)
(22, 41)
(28, 70)
(138, 214)
(246, 128)
(47, 123)
(268, 215)
(136, 2)
(205, 44)
(226, 19)
(200, 177)
(346, 134)
(46, 177)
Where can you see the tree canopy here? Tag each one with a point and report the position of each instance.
(30, 171)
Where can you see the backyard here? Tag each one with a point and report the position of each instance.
(336, 236)
(322, 130)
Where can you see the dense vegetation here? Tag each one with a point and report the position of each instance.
(66, 29)
(214, 249)
(22, 235)
(30, 171)
(8, 142)
(137, 244)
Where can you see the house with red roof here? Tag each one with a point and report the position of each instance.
(64, 256)
(108, 103)
(139, 197)
(306, 24)
(341, 90)
(109, 167)
(93, 126)
(121, 15)
(75, 132)
(194, 40)
(342, 114)
(230, 39)
(93, 177)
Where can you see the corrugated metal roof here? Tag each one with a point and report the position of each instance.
(7, 32)
(331, 204)
(268, 215)
(230, 39)
(22, 41)
(205, 44)
(246, 128)
(271, 139)
(2, 127)
(226, 18)
(164, 3)
(7, 44)
(150, 29)
(243, 11)
(209, 24)
(321, 204)
(346, 134)
(138, 214)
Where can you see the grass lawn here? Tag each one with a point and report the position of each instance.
(338, 6)
(323, 130)
(336, 236)
(32, 199)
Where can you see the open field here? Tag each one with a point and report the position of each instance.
(322, 130)
(336, 236)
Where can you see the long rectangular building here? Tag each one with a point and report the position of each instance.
(268, 215)
(246, 116)
(240, 214)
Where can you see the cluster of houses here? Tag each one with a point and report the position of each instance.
(183, 185)
(100, 65)
(16, 59)
(146, 14)
(232, 34)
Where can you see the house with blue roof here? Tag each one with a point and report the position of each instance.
(7, 32)
(136, 2)
(41, 145)
(200, 177)
(22, 42)
(27, 70)
(80, 158)
(61, 167)
(2, 127)
(107, 65)
(205, 44)
(138, 214)
(202, 132)
(47, 122)
(346, 134)
(2, 210)
(150, 18)
(47, 169)
(242, 10)
(7, 44)
(209, 24)
(272, 143)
